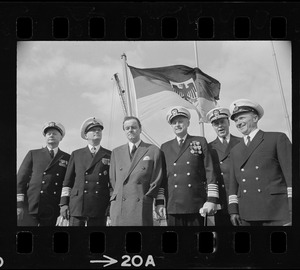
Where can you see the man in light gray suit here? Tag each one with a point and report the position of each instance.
(135, 175)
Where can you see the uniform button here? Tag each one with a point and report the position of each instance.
(175, 186)
(57, 174)
(256, 178)
(56, 183)
(174, 164)
(175, 174)
(188, 173)
(43, 182)
(86, 182)
(96, 191)
(121, 169)
(222, 173)
(223, 186)
(256, 167)
(100, 174)
(44, 173)
(244, 190)
(124, 199)
(242, 169)
(54, 192)
(189, 185)
(42, 191)
(187, 162)
(97, 183)
(85, 191)
(259, 190)
(221, 162)
(244, 180)
(86, 173)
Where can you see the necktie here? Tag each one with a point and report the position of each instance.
(132, 151)
(52, 153)
(93, 151)
(248, 140)
(181, 142)
(225, 143)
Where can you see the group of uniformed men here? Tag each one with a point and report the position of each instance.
(241, 181)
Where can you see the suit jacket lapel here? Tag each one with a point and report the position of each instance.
(183, 147)
(257, 140)
(219, 146)
(175, 146)
(140, 152)
(99, 155)
(232, 142)
(57, 157)
(46, 158)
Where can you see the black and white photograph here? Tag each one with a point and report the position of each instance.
(154, 133)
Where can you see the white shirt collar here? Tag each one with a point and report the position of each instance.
(251, 134)
(136, 144)
(227, 138)
(97, 147)
(184, 138)
(54, 149)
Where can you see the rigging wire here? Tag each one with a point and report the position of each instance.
(112, 109)
(282, 94)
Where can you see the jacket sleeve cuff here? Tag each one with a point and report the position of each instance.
(20, 200)
(233, 205)
(160, 199)
(64, 200)
(213, 193)
(212, 200)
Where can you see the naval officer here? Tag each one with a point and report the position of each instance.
(190, 183)
(85, 193)
(260, 187)
(220, 149)
(40, 177)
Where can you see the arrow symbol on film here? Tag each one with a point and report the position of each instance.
(108, 262)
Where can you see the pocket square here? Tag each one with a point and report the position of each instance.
(146, 158)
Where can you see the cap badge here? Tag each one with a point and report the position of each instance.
(51, 124)
(216, 112)
(174, 112)
(236, 108)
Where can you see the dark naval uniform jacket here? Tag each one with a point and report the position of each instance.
(261, 177)
(86, 184)
(190, 179)
(220, 155)
(41, 177)
(135, 184)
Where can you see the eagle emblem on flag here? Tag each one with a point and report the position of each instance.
(187, 90)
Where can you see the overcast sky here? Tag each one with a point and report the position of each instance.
(70, 81)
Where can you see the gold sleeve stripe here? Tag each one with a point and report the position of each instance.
(160, 195)
(212, 190)
(20, 197)
(233, 199)
(66, 191)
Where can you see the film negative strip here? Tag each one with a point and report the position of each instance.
(39, 42)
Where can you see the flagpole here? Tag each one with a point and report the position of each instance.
(281, 92)
(129, 105)
(121, 93)
(197, 65)
(123, 56)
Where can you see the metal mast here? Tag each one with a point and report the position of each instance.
(121, 92)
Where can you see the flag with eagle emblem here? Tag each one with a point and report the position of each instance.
(162, 87)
